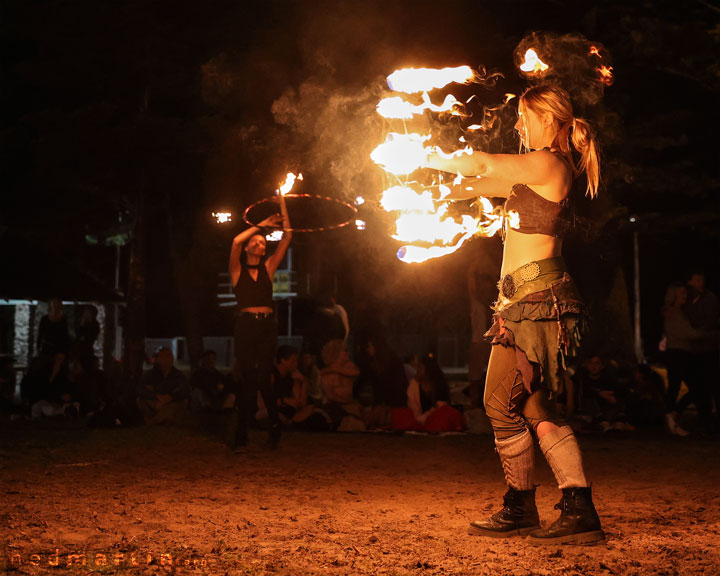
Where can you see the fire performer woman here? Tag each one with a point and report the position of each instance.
(538, 316)
(255, 325)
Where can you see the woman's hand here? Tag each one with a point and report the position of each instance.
(273, 221)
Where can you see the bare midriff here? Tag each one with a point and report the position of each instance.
(523, 248)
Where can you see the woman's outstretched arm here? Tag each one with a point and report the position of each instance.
(273, 261)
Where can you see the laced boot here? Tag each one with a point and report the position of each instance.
(578, 522)
(518, 516)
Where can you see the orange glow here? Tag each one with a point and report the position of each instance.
(532, 63)
(606, 75)
(594, 51)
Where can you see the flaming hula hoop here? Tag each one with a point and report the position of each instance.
(308, 212)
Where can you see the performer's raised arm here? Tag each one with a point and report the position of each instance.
(273, 261)
(234, 265)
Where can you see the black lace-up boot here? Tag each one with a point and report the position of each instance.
(578, 522)
(518, 516)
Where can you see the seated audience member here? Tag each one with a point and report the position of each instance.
(57, 398)
(336, 380)
(309, 370)
(386, 373)
(600, 396)
(428, 397)
(646, 403)
(163, 391)
(325, 325)
(53, 339)
(290, 386)
(210, 388)
(89, 384)
(7, 385)
(410, 364)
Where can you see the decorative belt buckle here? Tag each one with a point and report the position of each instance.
(529, 272)
(508, 286)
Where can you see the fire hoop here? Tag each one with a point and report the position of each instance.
(308, 213)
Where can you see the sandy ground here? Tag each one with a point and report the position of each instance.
(163, 500)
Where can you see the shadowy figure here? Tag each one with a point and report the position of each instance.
(601, 397)
(86, 334)
(53, 341)
(428, 402)
(290, 387)
(679, 335)
(386, 373)
(324, 326)
(210, 389)
(163, 392)
(703, 312)
(646, 403)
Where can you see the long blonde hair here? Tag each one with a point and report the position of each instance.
(552, 99)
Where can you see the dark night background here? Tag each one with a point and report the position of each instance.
(158, 113)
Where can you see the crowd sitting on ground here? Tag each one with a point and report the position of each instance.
(319, 386)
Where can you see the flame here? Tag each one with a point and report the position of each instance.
(594, 50)
(411, 80)
(274, 236)
(430, 231)
(286, 186)
(397, 108)
(606, 75)
(222, 217)
(532, 63)
(404, 198)
(509, 97)
(401, 153)
(419, 254)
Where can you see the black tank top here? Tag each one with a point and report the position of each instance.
(250, 293)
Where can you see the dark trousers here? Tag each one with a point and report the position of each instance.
(255, 342)
(682, 366)
(679, 370)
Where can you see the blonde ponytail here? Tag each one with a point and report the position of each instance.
(584, 141)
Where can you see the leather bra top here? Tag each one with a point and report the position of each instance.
(538, 215)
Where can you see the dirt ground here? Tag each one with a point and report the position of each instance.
(167, 500)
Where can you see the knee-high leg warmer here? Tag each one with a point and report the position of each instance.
(563, 454)
(518, 462)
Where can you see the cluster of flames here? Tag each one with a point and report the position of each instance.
(533, 65)
(423, 220)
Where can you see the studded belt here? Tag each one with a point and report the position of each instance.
(511, 283)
